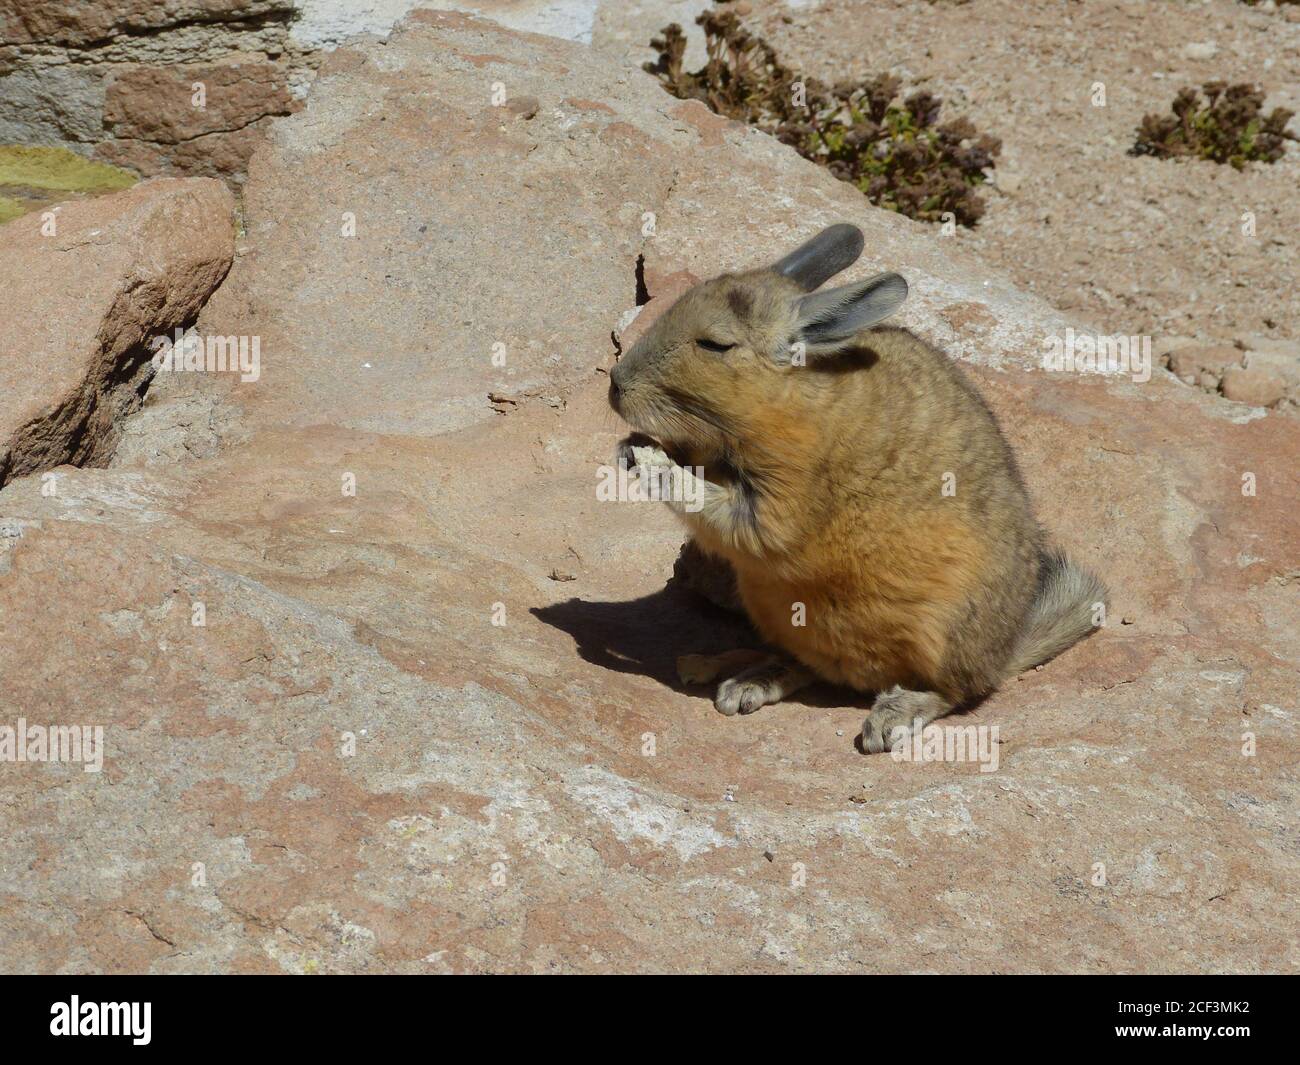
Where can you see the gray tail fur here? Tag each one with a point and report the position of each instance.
(1062, 613)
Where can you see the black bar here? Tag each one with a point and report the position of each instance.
(344, 1014)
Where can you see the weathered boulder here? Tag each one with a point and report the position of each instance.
(173, 104)
(88, 285)
(198, 118)
(385, 688)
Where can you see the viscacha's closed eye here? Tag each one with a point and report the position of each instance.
(713, 345)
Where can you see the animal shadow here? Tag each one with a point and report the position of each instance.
(647, 635)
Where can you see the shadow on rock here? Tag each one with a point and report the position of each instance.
(647, 635)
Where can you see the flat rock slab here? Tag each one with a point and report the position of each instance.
(385, 689)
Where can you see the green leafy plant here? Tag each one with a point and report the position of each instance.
(892, 148)
(1227, 126)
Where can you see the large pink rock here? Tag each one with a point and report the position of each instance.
(162, 104)
(429, 720)
(88, 284)
(158, 123)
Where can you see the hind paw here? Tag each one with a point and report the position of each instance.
(896, 714)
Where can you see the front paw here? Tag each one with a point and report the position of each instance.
(625, 454)
(652, 457)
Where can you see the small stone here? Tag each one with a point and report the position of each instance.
(1278, 364)
(743, 8)
(1259, 388)
(769, 856)
(1201, 50)
(1202, 358)
(1209, 382)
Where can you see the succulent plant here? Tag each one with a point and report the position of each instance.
(891, 147)
(1227, 126)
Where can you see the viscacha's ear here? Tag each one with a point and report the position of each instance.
(813, 263)
(827, 321)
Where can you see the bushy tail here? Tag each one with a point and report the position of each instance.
(1063, 613)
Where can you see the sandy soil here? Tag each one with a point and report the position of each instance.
(1132, 245)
